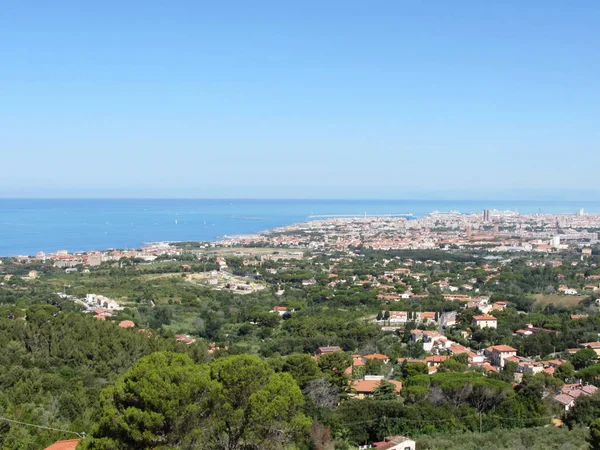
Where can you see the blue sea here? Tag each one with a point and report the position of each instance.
(28, 226)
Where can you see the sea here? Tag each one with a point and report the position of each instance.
(28, 226)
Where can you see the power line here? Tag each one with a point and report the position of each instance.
(81, 435)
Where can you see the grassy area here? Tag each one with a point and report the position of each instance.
(567, 301)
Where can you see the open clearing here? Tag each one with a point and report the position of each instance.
(568, 301)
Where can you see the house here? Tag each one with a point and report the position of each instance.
(578, 316)
(484, 322)
(500, 353)
(593, 345)
(70, 444)
(33, 274)
(280, 309)
(367, 386)
(398, 317)
(428, 338)
(357, 361)
(499, 306)
(565, 400)
(436, 360)
(126, 324)
(457, 349)
(570, 392)
(396, 443)
(330, 349)
(186, 339)
(567, 290)
(530, 367)
(426, 317)
(378, 356)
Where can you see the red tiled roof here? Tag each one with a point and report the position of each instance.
(484, 318)
(126, 324)
(376, 356)
(64, 445)
(503, 348)
(369, 386)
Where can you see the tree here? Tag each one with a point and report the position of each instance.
(322, 393)
(385, 391)
(334, 366)
(583, 358)
(254, 407)
(302, 367)
(565, 372)
(167, 401)
(412, 369)
(594, 436)
(151, 404)
(451, 365)
(373, 366)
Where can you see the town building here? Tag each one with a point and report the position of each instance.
(484, 322)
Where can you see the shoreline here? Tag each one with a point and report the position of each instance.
(312, 218)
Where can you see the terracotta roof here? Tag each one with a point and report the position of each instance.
(369, 386)
(484, 318)
(503, 348)
(377, 356)
(436, 358)
(64, 445)
(126, 324)
(330, 349)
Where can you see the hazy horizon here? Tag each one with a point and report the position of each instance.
(368, 194)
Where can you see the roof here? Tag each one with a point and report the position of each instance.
(484, 318)
(564, 399)
(377, 356)
(126, 324)
(436, 358)
(369, 386)
(503, 348)
(330, 349)
(391, 442)
(64, 445)
(591, 344)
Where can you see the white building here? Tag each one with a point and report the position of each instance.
(484, 322)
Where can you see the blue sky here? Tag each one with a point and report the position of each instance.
(385, 99)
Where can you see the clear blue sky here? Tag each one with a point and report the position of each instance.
(318, 99)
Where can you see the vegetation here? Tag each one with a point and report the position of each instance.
(259, 387)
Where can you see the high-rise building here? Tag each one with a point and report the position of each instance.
(556, 241)
(486, 215)
(581, 212)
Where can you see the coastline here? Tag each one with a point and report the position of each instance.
(29, 226)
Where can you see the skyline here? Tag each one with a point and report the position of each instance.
(443, 101)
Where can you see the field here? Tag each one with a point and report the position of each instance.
(568, 301)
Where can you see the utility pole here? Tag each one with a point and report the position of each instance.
(480, 423)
